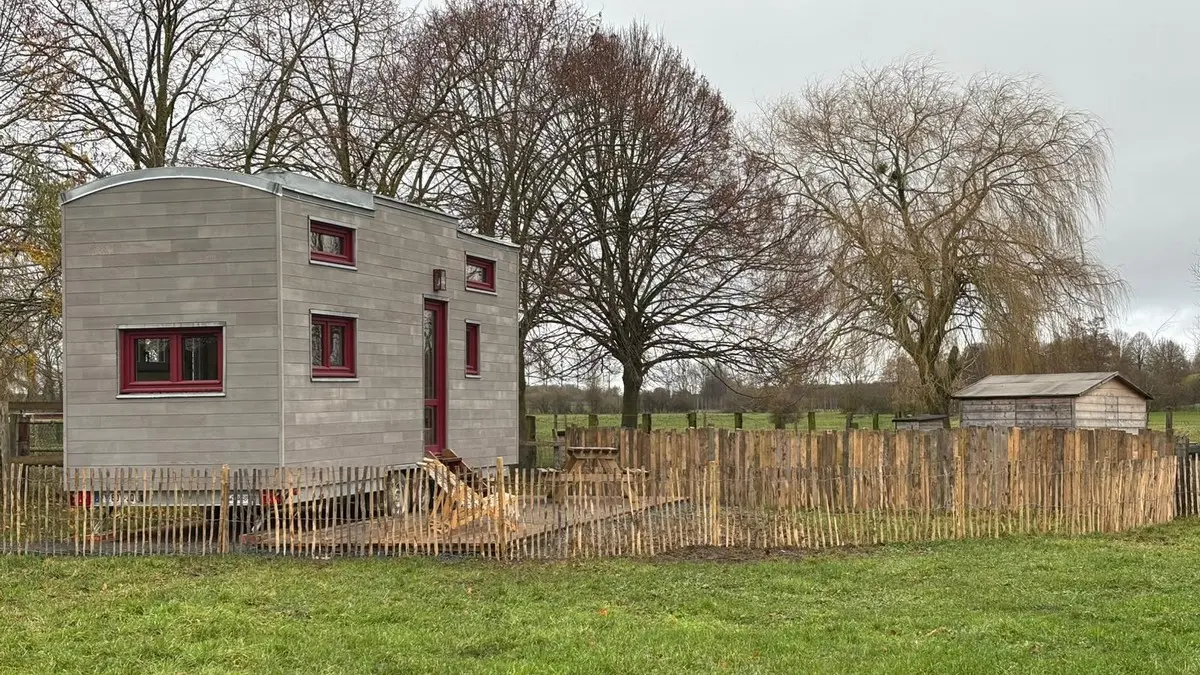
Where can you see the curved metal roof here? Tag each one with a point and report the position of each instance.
(1042, 385)
(274, 182)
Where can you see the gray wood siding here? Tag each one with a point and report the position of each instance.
(378, 418)
(1112, 405)
(161, 252)
(997, 412)
(1018, 412)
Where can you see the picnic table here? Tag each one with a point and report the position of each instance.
(591, 460)
(597, 466)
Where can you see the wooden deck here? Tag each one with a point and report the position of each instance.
(542, 522)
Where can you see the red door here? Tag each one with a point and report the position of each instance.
(434, 330)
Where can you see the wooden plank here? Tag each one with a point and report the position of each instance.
(40, 459)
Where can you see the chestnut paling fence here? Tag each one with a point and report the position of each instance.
(671, 490)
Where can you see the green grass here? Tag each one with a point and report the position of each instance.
(826, 419)
(1185, 421)
(1022, 605)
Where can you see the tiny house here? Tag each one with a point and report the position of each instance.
(216, 318)
(1062, 400)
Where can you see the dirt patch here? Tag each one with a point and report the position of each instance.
(743, 554)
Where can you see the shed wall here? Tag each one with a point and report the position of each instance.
(1019, 412)
(163, 252)
(1112, 405)
(378, 418)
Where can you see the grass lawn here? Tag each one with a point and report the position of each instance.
(826, 419)
(1023, 605)
(1186, 421)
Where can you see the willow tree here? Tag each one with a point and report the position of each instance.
(952, 210)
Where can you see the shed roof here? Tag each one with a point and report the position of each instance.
(1042, 385)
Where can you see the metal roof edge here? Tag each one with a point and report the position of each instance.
(273, 182)
(161, 173)
(484, 238)
(320, 189)
(427, 210)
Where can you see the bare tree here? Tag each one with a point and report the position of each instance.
(951, 209)
(31, 287)
(679, 240)
(19, 70)
(265, 125)
(510, 141)
(132, 78)
(356, 92)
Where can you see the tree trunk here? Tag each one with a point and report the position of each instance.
(631, 378)
(936, 402)
(935, 391)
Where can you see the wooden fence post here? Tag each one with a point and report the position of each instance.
(875, 421)
(5, 451)
(527, 452)
(593, 420)
(777, 418)
(223, 517)
(691, 419)
(1170, 421)
(712, 475)
(812, 420)
(501, 520)
(737, 420)
(646, 422)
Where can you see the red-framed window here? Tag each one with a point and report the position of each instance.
(333, 346)
(172, 360)
(330, 243)
(472, 364)
(481, 274)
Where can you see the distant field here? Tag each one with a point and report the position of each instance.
(826, 419)
(1187, 422)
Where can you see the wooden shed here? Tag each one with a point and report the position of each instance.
(921, 422)
(1063, 400)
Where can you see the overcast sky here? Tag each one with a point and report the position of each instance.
(1135, 64)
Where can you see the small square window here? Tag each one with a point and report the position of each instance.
(330, 243)
(472, 349)
(333, 347)
(171, 360)
(481, 274)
